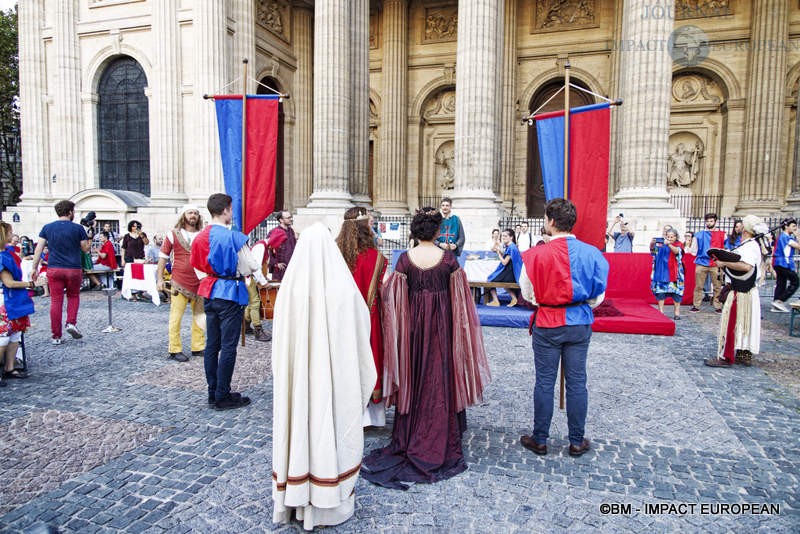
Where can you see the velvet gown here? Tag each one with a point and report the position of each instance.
(426, 441)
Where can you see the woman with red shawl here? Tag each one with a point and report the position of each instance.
(666, 278)
(368, 266)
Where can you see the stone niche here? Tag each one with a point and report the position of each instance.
(559, 15)
(438, 145)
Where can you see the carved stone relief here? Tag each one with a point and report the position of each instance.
(441, 24)
(696, 89)
(274, 16)
(441, 108)
(556, 15)
(696, 9)
(685, 163)
(445, 165)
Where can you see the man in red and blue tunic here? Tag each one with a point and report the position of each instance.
(222, 259)
(566, 278)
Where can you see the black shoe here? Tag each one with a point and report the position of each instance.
(212, 400)
(578, 450)
(232, 402)
(718, 310)
(15, 373)
(529, 443)
(178, 357)
(199, 353)
(694, 309)
(707, 298)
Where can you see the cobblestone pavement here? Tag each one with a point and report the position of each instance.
(108, 435)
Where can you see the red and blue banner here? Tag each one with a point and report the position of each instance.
(261, 154)
(587, 180)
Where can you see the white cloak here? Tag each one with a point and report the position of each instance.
(323, 375)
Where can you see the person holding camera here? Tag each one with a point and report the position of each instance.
(783, 263)
(623, 240)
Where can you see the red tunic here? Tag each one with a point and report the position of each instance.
(110, 260)
(368, 273)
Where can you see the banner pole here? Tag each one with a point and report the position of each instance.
(244, 158)
(566, 192)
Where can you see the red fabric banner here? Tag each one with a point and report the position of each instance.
(589, 140)
(137, 271)
(262, 144)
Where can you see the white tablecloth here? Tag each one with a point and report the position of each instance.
(26, 270)
(479, 264)
(129, 283)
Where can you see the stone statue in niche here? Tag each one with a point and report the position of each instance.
(685, 165)
(564, 14)
(445, 166)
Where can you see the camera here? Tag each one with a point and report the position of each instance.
(88, 219)
(621, 216)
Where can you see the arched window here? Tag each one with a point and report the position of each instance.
(123, 127)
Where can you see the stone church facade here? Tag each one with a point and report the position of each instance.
(394, 103)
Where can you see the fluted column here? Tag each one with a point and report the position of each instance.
(303, 96)
(476, 162)
(359, 117)
(393, 197)
(794, 196)
(765, 101)
(67, 161)
(32, 94)
(645, 85)
(332, 104)
(508, 99)
(244, 42)
(210, 75)
(477, 146)
(166, 178)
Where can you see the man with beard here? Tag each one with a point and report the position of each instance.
(705, 266)
(280, 245)
(177, 246)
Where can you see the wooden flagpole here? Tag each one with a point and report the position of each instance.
(566, 192)
(244, 158)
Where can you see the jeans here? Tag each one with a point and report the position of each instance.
(784, 276)
(60, 279)
(569, 344)
(223, 324)
(177, 307)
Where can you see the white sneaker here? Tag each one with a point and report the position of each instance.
(56, 341)
(780, 306)
(73, 331)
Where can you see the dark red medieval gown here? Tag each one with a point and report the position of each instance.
(426, 440)
(368, 274)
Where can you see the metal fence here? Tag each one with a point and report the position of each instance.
(696, 205)
(395, 232)
(261, 231)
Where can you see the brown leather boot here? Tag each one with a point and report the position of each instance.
(260, 335)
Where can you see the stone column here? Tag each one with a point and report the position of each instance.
(765, 101)
(166, 177)
(508, 99)
(303, 96)
(359, 116)
(645, 85)
(66, 123)
(476, 155)
(244, 42)
(209, 42)
(33, 121)
(793, 200)
(393, 196)
(332, 105)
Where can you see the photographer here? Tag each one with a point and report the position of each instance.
(623, 240)
(89, 223)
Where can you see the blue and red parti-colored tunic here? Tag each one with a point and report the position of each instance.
(215, 251)
(565, 273)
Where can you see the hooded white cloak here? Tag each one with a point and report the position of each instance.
(323, 374)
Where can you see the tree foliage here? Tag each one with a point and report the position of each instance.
(10, 169)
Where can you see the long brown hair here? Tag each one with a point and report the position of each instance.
(5, 233)
(355, 236)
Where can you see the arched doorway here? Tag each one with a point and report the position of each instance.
(534, 195)
(269, 81)
(123, 127)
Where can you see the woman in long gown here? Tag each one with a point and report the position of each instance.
(357, 244)
(434, 363)
(666, 277)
